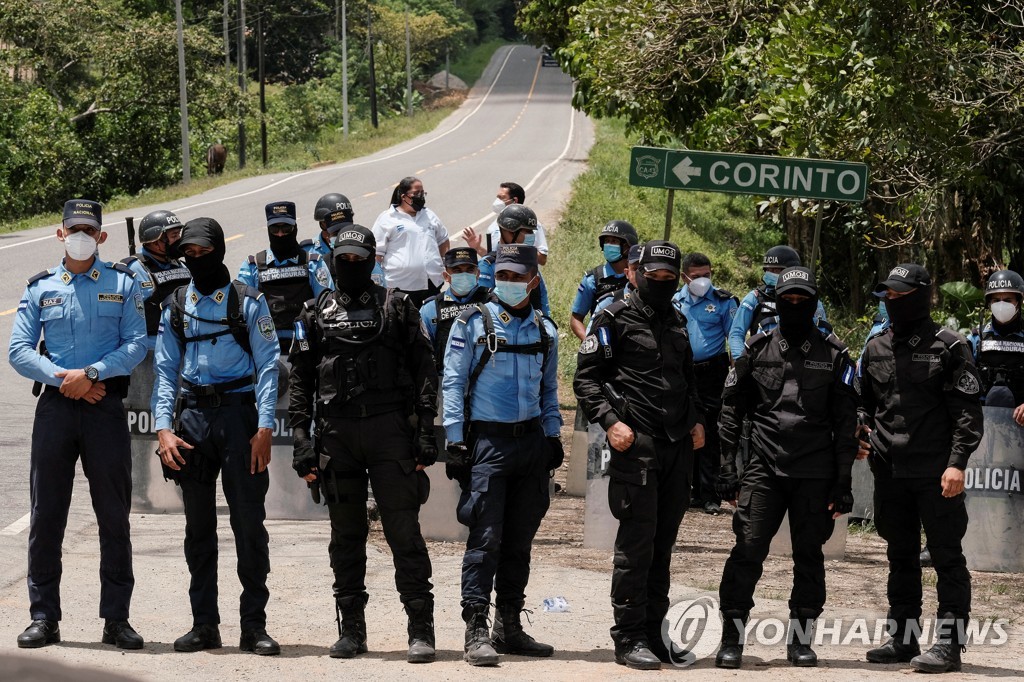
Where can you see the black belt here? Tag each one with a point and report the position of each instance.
(207, 390)
(508, 430)
(219, 399)
(722, 359)
(360, 410)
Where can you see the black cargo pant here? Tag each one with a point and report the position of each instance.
(65, 429)
(710, 376)
(378, 449)
(648, 492)
(764, 499)
(902, 507)
(221, 438)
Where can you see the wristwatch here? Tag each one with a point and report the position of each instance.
(92, 374)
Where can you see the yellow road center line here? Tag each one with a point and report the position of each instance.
(234, 237)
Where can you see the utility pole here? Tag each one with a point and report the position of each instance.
(241, 80)
(227, 40)
(344, 70)
(263, 92)
(373, 75)
(186, 171)
(408, 66)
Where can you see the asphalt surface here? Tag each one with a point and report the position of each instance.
(517, 124)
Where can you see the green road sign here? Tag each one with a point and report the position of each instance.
(777, 176)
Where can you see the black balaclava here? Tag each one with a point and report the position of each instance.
(656, 293)
(906, 311)
(352, 277)
(208, 272)
(284, 246)
(796, 320)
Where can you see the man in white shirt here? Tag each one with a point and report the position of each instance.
(508, 193)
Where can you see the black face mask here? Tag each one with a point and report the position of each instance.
(208, 272)
(656, 293)
(906, 311)
(284, 246)
(352, 277)
(796, 320)
(418, 203)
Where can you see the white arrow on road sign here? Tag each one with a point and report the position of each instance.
(685, 170)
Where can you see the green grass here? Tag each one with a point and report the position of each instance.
(472, 62)
(723, 227)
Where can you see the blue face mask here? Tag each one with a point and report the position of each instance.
(463, 283)
(511, 293)
(612, 252)
(530, 238)
(770, 278)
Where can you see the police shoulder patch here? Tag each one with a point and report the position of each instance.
(458, 343)
(967, 383)
(139, 305)
(589, 345)
(266, 327)
(731, 379)
(321, 276)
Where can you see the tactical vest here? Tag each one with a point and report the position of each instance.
(605, 286)
(1001, 361)
(765, 309)
(165, 281)
(363, 349)
(286, 287)
(447, 312)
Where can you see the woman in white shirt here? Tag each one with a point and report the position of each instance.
(411, 242)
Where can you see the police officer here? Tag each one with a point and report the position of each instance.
(518, 225)
(797, 387)
(439, 313)
(218, 337)
(632, 262)
(635, 378)
(508, 193)
(502, 422)
(920, 393)
(709, 312)
(285, 274)
(92, 317)
(756, 311)
(156, 270)
(615, 239)
(334, 212)
(363, 373)
(1001, 349)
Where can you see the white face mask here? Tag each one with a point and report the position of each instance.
(497, 205)
(79, 246)
(699, 287)
(1003, 311)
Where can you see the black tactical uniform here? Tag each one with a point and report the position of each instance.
(636, 366)
(1000, 350)
(362, 367)
(920, 392)
(796, 386)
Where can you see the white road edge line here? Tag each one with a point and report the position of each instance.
(323, 169)
(18, 526)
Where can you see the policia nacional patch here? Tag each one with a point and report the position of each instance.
(589, 345)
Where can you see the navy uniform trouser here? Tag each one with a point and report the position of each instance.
(707, 461)
(764, 500)
(507, 498)
(902, 507)
(378, 449)
(221, 438)
(648, 493)
(65, 429)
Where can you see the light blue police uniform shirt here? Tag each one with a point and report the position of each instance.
(745, 313)
(319, 280)
(587, 289)
(145, 281)
(206, 362)
(92, 319)
(509, 389)
(428, 311)
(708, 321)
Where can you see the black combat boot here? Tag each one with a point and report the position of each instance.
(730, 654)
(800, 638)
(902, 644)
(479, 650)
(636, 654)
(421, 631)
(351, 627)
(951, 640)
(509, 636)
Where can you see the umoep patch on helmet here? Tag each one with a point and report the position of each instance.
(796, 274)
(899, 272)
(666, 251)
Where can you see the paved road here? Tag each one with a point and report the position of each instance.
(516, 125)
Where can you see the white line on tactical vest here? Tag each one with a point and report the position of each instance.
(18, 526)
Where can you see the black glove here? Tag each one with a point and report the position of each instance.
(556, 453)
(841, 498)
(304, 459)
(728, 484)
(426, 443)
(458, 466)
